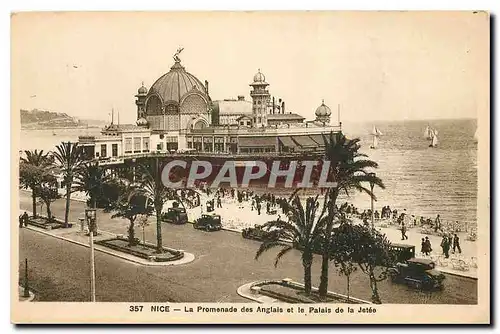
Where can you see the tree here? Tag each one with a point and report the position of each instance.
(143, 222)
(32, 169)
(342, 251)
(348, 168)
(152, 188)
(131, 205)
(302, 229)
(69, 156)
(48, 193)
(372, 256)
(91, 179)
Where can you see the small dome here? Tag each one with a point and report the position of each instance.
(142, 90)
(142, 122)
(323, 110)
(259, 77)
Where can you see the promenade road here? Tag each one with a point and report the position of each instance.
(59, 270)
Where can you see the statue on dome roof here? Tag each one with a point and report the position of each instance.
(176, 55)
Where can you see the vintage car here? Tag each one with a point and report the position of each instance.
(258, 233)
(208, 222)
(175, 215)
(402, 252)
(417, 273)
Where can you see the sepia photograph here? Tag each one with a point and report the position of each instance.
(251, 167)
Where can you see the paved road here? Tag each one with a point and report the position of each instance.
(59, 270)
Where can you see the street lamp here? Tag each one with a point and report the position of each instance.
(91, 217)
(372, 176)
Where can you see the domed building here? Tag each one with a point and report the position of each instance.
(177, 114)
(177, 101)
(323, 113)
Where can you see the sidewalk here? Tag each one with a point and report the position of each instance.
(76, 236)
(450, 265)
(236, 216)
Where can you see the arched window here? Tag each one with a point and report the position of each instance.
(153, 106)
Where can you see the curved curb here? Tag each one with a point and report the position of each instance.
(188, 257)
(29, 299)
(243, 292)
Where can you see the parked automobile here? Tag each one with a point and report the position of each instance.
(417, 273)
(208, 222)
(175, 216)
(402, 252)
(258, 233)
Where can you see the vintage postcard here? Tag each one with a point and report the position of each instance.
(250, 167)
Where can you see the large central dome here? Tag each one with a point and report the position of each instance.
(172, 86)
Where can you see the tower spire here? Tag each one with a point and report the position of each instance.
(112, 115)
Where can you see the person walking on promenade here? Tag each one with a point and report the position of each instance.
(456, 244)
(437, 224)
(25, 219)
(445, 245)
(423, 248)
(258, 208)
(21, 221)
(403, 232)
(428, 246)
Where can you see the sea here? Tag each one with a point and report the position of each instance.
(424, 180)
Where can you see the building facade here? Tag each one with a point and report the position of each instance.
(178, 115)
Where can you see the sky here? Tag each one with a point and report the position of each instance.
(374, 65)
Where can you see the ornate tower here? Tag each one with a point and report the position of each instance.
(261, 99)
(323, 113)
(142, 92)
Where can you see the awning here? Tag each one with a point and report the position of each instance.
(256, 141)
(305, 141)
(318, 139)
(287, 141)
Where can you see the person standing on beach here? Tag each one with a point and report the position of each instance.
(403, 232)
(437, 224)
(456, 244)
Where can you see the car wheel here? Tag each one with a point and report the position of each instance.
(207, 228)
(418, 285)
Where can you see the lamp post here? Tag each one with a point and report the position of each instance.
(91, 216)
(371, 197)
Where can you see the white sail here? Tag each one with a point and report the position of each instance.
(435, 132)
(475, 135)
(434, 140)
(374, 131)
(378, 132)
(427, 132)
(375, 142)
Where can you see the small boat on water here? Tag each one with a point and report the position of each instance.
(54, 133)
(434, 139)
(375, 134)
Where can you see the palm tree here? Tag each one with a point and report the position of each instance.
(152, 188)
(131, 205)
(69, 157)
(31, 172)
(348, 168)
(302, 230)
(91, 179)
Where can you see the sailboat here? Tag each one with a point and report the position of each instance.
(375, 133)
(434, 139)
(475, 136)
